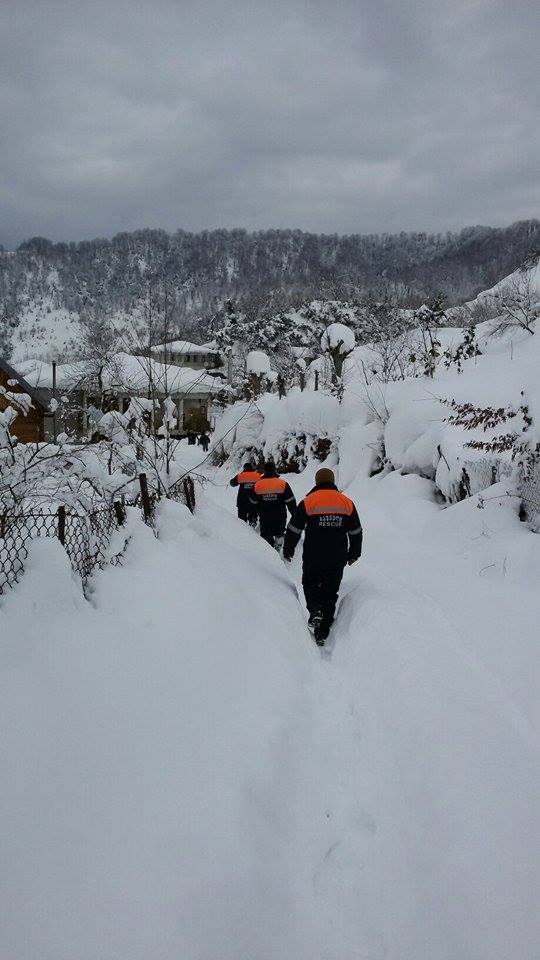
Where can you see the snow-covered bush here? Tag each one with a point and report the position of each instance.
(290, 431)
(82, 475)
(428, 318)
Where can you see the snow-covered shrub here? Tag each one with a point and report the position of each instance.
(290, 431)
(465, 350)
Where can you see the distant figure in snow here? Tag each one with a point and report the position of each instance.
(333, 538)
(272, 497)
(204, 441)
(191, 438)
(245, 481)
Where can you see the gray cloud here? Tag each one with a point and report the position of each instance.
(364, 115)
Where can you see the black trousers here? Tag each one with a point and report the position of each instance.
(247, 512)
(321, 588)
(270, 531)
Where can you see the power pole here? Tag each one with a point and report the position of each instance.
(54, 398)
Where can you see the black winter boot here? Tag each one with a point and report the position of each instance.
(321, 632)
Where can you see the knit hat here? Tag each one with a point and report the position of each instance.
(270, 468)
(324, 475)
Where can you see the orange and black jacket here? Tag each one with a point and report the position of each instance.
(273, 497)
(245, 481)
(333, 529)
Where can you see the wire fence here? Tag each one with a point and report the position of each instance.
(477, 475)
(528, 489)
(92, 540)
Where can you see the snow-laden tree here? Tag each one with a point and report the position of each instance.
(259, 371)
(38, 475)
(338, 342)
(5, 337)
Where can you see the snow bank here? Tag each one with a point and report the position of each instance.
(144, 807)
(411, 418)
(414, 414)
(185, 777)
(489, 297)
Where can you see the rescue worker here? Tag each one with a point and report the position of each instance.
(204, 441)
(272, 497)
(333, 538)
(245, 481)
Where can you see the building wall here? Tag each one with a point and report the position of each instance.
(196, 361)
(196, 414)
(29, 429)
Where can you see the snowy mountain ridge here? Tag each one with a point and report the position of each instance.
(46, 288)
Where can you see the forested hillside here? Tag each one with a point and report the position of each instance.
(200, 271)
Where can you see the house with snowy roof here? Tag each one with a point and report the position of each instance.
(84, 389)
(29, 426)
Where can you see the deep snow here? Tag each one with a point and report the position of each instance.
(187, 777)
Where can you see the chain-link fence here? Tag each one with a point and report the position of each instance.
(86, 537)
(477, 475)
(528, 489)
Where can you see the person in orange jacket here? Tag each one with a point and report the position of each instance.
(272, 497)
(333, 538)
(245, 481)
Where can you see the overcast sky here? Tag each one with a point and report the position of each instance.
(337, 116)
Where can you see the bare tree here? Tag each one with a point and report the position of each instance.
(517, 304)
(98, 363)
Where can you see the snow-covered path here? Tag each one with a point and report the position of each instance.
(187, 777)
(425, 733)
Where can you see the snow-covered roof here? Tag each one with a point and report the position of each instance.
(15, 377)
(184, 346)
(124, 372)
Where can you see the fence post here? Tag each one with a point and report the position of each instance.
(62, 524)
(2, 525)
(316, 380)
(189, 493)
(147, 506)
(120, 512)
